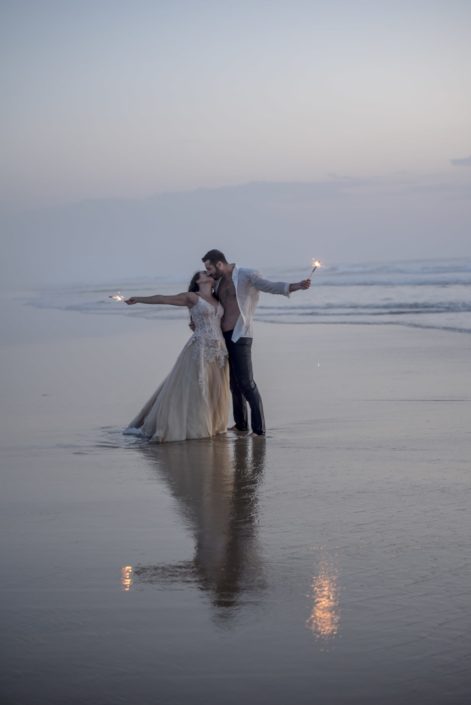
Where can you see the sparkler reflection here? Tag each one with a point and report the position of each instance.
(325, 614)
(126, 577)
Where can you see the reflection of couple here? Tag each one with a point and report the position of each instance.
(215, 483)
(192, 402)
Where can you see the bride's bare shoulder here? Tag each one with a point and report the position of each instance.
(192, 298)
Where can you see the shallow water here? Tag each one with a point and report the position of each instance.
(328, 563)
(426, 294)
(235, 568)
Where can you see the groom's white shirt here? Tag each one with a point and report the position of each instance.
(248, 284)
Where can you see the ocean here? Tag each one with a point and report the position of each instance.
(432, 294)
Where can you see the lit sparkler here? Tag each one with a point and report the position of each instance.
(314, 264)
(117, 297)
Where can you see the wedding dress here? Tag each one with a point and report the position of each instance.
(193, 401)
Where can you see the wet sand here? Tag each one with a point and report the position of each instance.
(329, 563)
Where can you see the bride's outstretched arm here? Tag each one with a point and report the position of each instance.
(187, 298)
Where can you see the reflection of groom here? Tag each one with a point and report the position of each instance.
(238, 290)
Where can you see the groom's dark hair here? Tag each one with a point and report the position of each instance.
(214, 256)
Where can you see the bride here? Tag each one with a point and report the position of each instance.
(192, 402)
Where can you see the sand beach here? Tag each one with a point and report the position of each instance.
(329, 563)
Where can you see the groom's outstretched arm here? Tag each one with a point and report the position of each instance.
(283, 288)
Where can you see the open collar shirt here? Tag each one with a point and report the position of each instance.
(248, 284)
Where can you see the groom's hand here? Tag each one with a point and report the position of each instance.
(132, 300)
(304, 284)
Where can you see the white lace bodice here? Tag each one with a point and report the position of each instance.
(207, 340)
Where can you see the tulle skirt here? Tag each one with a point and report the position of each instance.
(192, 402)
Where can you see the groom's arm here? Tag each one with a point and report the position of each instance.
(283, 288)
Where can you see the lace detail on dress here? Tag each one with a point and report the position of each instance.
(207, 341)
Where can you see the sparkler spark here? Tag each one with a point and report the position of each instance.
(314, 264)
(117, 297)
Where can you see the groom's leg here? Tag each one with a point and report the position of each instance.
(239, 405)
(242, 363)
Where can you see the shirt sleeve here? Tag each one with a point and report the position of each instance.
(267, 286)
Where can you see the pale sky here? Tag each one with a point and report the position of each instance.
(136, 133)
(128, 98)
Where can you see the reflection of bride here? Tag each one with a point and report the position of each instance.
(215, 483)
(192, 402)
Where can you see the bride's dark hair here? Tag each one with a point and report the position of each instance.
(194, 282)
(194, 287)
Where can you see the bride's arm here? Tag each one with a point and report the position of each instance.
(187, 298)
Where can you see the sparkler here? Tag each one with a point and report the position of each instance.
(117, 297)
(314, 264)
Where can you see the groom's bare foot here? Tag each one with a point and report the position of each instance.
(256, 435)
(238, 430)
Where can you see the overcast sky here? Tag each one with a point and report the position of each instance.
(133, 97)
(129, 98)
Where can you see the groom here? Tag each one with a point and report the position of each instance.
(238, 290)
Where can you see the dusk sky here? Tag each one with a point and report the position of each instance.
(122, 99)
